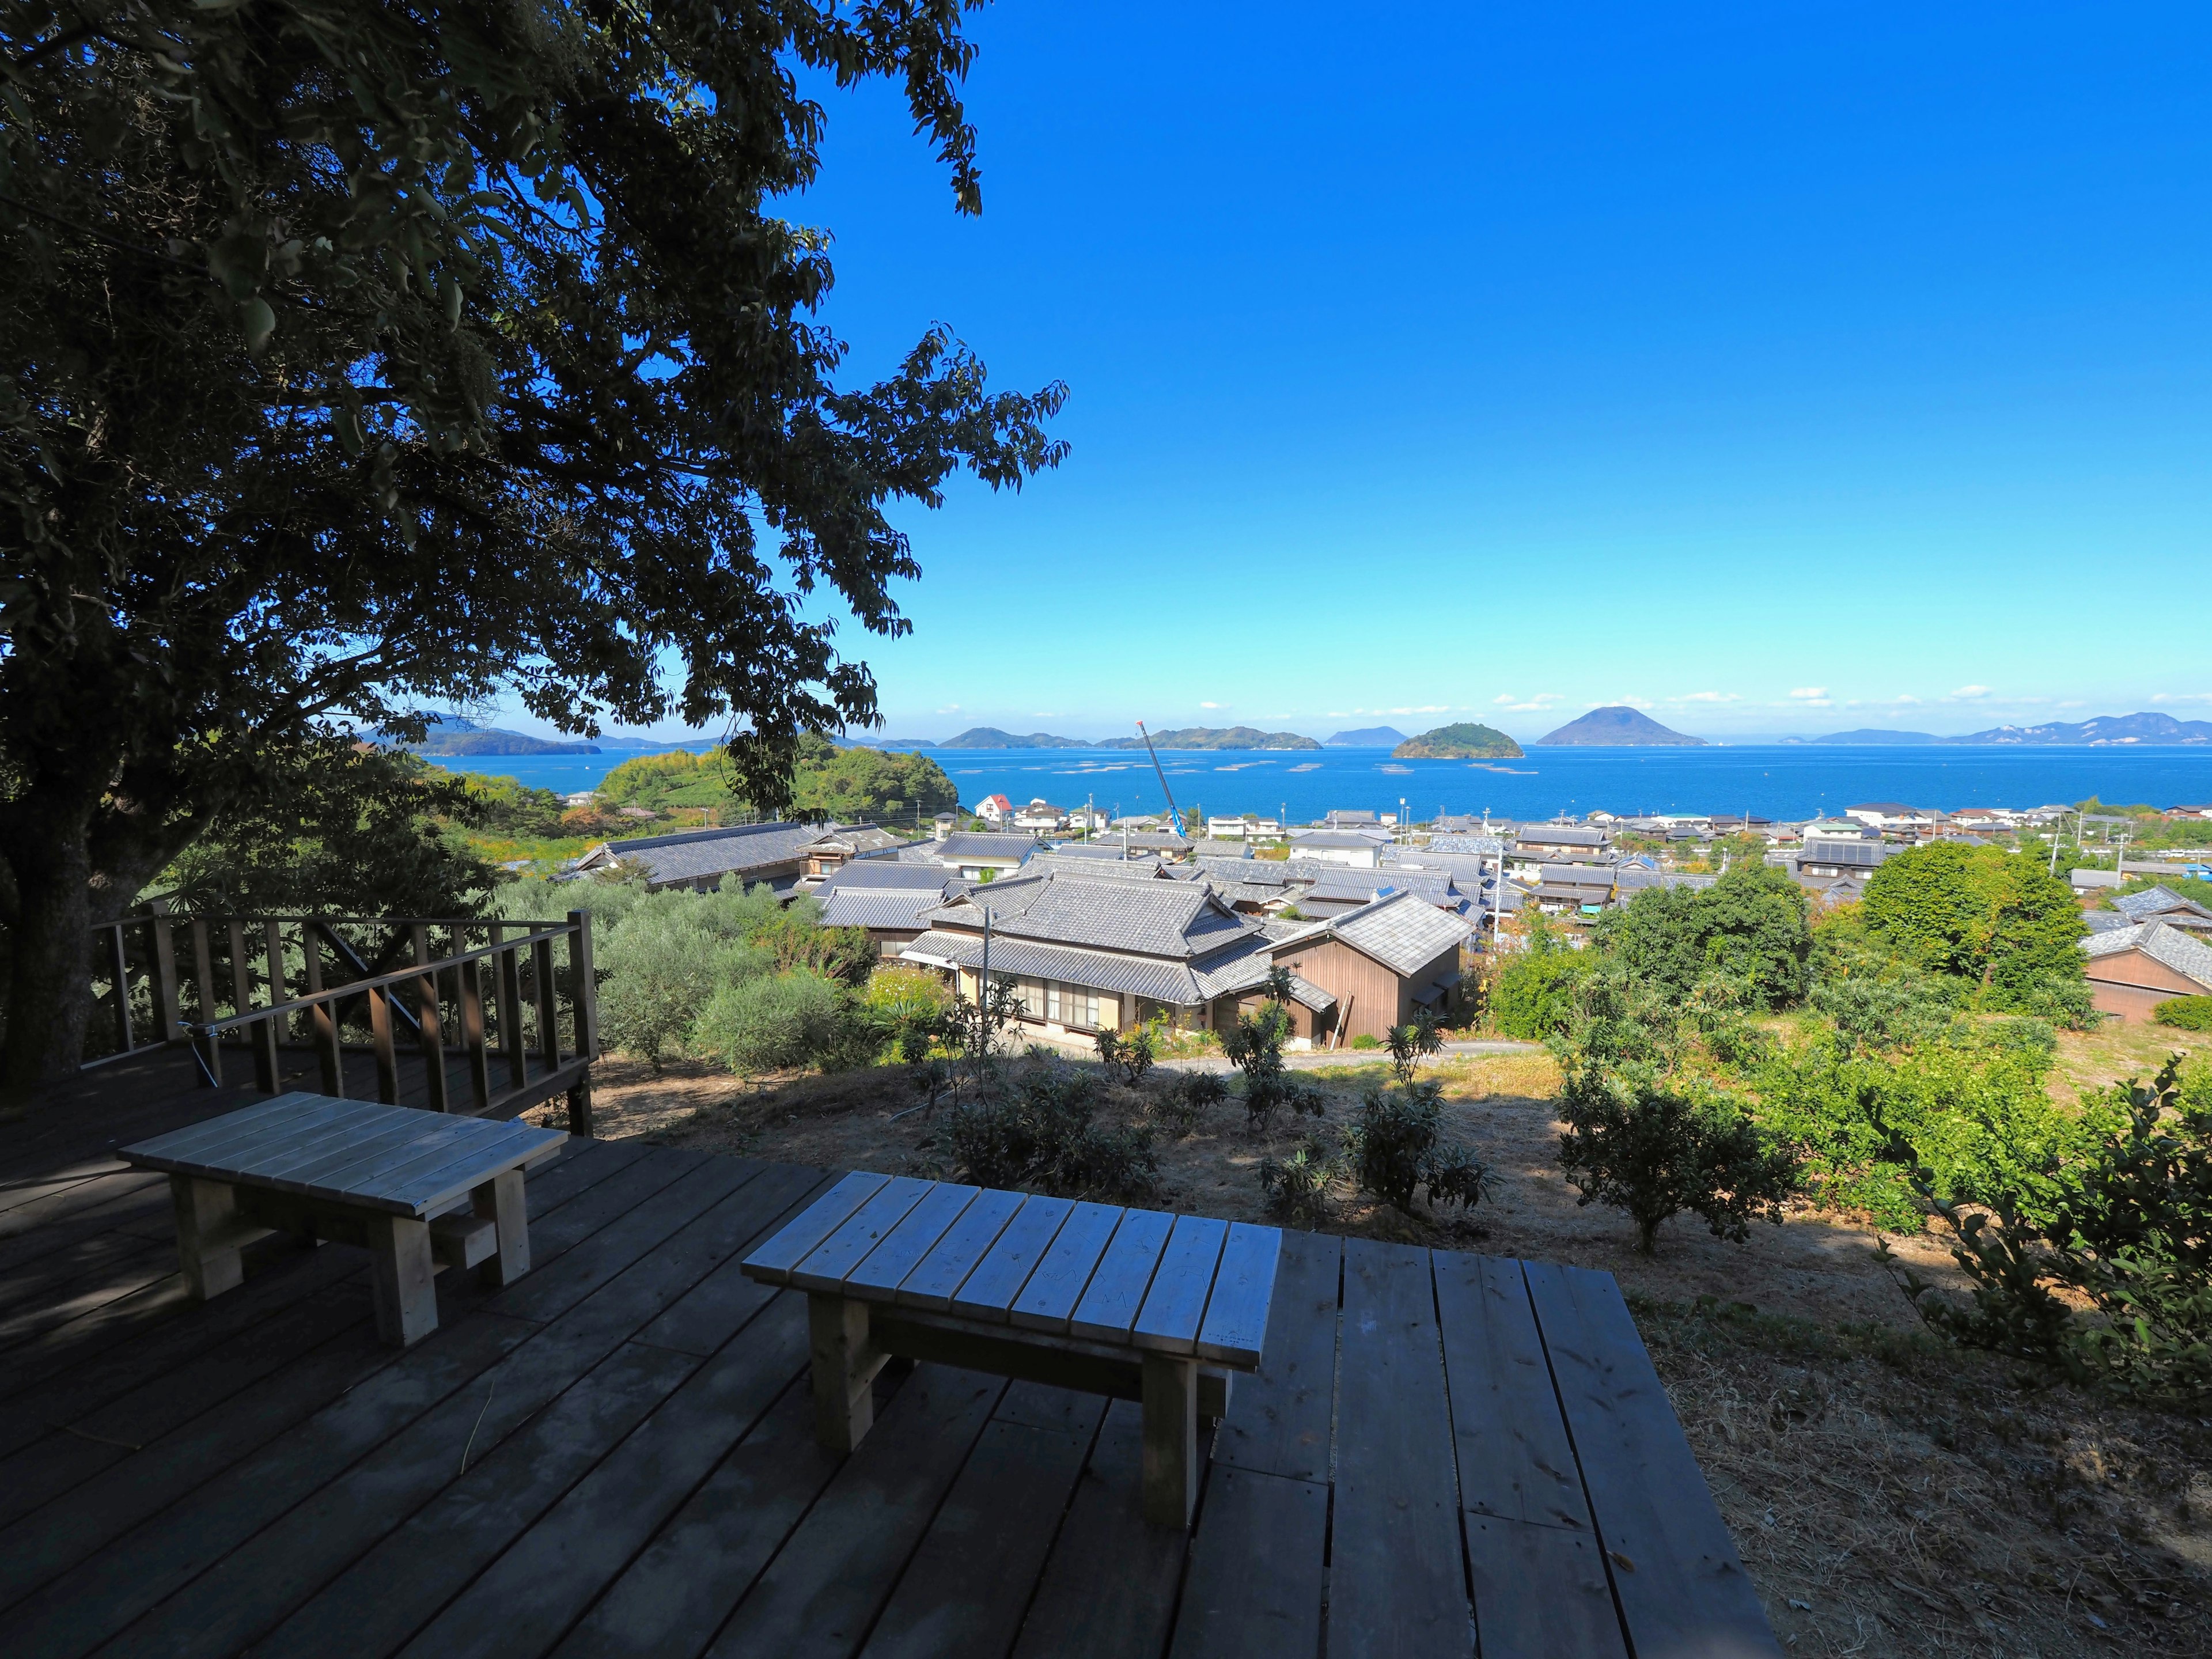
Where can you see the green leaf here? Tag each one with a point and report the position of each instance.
(258, 322)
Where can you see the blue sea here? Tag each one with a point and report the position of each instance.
(1779, 781)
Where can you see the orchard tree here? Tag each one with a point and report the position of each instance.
(362, 357)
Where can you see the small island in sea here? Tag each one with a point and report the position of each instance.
(455, 736)
(1212, 736)
(1466, 740)
(1618, 726)
(989, 737)
(1367, 737)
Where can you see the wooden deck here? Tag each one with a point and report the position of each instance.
(1443, 1453)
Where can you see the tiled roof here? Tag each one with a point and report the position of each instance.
(1104, 971)
(1178, 920)
(1486, 846)
(2187, 956)
(2156, 901)
(884, 872)
(1102, 851)
(1112, 869)
(2107, 922)
(1336, 838)
(891, 909)
(1398, 930)
(1552, 835)
(697, 853)
(985, 844)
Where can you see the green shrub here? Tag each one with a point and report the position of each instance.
(1254, 1045)
(1298, 1187)
(1900, 1009)
(1658, 1148)
(1996, 921)
(1532, 995)
(1180, 1106)
(1749, 928)
(661, 964)
(1043, 1133)
(1397, 1148)
(2185, 1013)
(776, 1022)
(1413, 1042)
(1366, 1040)
(1133, 1053)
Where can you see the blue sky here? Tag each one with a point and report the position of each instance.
(1777, 368)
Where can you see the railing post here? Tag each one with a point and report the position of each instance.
(323, 1016)
(387, 1060)
(118, 965)
(585, 998)
(426, 1003)
(269, 1033)
(472, 1031)
(167, 1010)
(241, 996)
(549, 1008)
(508, 988)
(208, 1043)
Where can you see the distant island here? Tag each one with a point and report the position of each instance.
(1466, 740)
(1619, 727)
(2103, 729)
(1869, 737)
(1367, 737)
(454, 736)
(989, 737)
(1211, 736)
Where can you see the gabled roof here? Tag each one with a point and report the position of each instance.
(884, 872)
(985, 844)
(891, 909)
(696, 853)
(1338, 838)
(1180, 921)
(1113, 869)
(2158, 901)
(1484, 845)
(1401, 931)
(1559, 834)
(2189, 956)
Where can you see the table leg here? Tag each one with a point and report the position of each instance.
(399, 1278)
(208, 1228)
(845, 1363)
(1170, 1481)
(500, 1198)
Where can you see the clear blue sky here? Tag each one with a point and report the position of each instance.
(1777, 368)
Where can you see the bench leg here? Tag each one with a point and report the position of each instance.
(1170, 1439)
(399, 1278)
(208, 1228)
(500, 1199)
(845, 1362)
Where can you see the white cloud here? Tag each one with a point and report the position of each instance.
(1970, 692)
(1708, 696)
(949, 709)
(1542, 703)
(2170, 697)
(1209, 705)
(1629, 702)
(1811, 693)
(1502, 697)
(1045, 715)
(2076, 703)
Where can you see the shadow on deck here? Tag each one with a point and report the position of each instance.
(1445, 1453)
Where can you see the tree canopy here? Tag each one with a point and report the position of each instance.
(1750, 927)
(1983, 915)
(364, 357)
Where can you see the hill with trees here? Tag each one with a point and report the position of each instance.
(1367, 737)
(989, 737)
(1466, 740)
(1211, 736)
(826, 781)
(453, 735)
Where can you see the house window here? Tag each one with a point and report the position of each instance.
(1071, 1005)
(1030, 994)
(1052, 1003)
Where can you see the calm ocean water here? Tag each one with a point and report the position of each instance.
(1778, 781)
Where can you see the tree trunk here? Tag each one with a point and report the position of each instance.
(49, 981)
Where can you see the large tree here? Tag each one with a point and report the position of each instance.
(364, 355)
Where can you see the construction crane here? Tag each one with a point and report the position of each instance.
(1175, 817)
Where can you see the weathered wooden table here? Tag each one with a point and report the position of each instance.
(419, 1190)
(1134, 1304)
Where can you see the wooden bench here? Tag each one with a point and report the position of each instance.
(420, 1191)
(1134, 1304)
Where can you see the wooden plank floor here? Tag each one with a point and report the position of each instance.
(1445, 1454)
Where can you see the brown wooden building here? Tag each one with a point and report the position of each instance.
(1380, 963)
(2132, 969)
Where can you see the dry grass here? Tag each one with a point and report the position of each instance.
(1891, 1495)
(2114, 1053)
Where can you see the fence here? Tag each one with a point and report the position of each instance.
(252, 985)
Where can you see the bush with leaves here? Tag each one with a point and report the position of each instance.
(1750, 928)
(1883, 1012)
(2185, 1013)
(1133, 1053)
(1996, 922)
(778, 1021)
(1397, 1149)
(1657, 1146)
(1532, 994)
(1254, 1045)
(2132, 1233)
(1298, 1187)
(1181, 1106)
(662, 962)
(1042, 1133)
(1409, 1044)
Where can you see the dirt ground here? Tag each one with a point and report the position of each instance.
(1890, 1495)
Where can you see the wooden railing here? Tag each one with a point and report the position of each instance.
(350, 984)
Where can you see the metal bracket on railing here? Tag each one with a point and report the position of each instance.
(202, 1040)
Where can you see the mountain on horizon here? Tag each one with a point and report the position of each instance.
(456, 735)
(1618, 726)
(1367, 737)
(2103, 729)
(989, 737)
